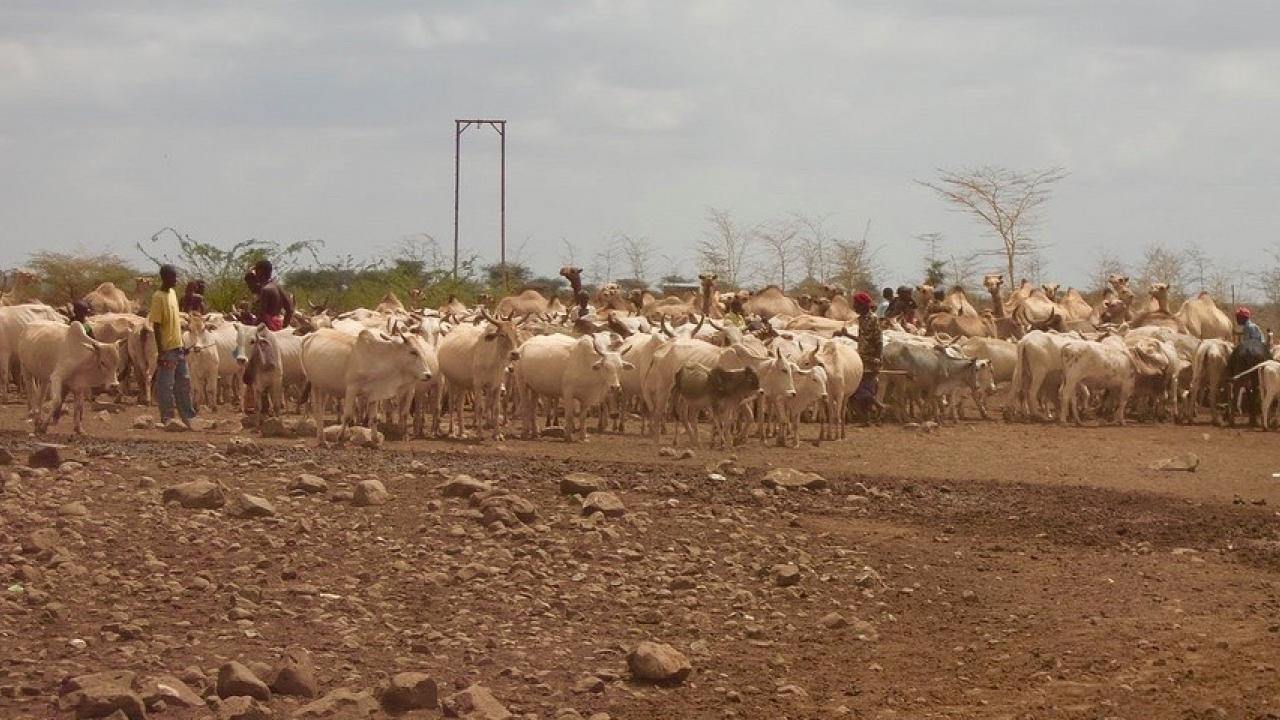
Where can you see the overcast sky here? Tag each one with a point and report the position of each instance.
(296, 120)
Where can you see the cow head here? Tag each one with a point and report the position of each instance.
(502, 331)
(777, 375)
(609, 363)
(984, 376)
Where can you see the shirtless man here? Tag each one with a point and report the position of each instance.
(275, 307)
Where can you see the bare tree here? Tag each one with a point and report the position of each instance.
(1033, 266)
(638, 253)
(934, 266)
(814, 247)
(853, 262)
(569, 253)
(1162, 265)
(1267, 280)
(604, 262)
(779, 239)
(1007, 201)
(1106, 265)
(725, 247)
(1199, 268)
(964, 269)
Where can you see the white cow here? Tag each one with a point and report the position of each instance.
(58, 358)
(811, 387)
(1111, 365)
(264, 372)
(366, 369)
(1209, 376)
(578, 372)
(660, 379)
(202, 362)
(13, 319)
(1003, 356)
(640, 349)
(843, 365)
(1039, 368)
(474, 359)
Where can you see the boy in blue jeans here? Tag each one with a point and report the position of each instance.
(173, 380)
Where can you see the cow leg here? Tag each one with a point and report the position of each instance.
(77, 396)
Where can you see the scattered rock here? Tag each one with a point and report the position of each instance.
(1187, 462)
(73, 509)
(793, 479)
(409, 691)
(174, 425)
(786, 575)
(463, 486)
(658, 663)
(242, 446)
(45, 456)
(274, 427)
(197, 494)
(295, 675)
(581, 484)
(243, 708)
(604, 502)
(507, 509)
(553, 432)
(306, 484)
(369, 493)
(143, 422)
(236, 679)
(252, 506)
(170, 690)
(102, 694)
(341, 704)
(833, 621)
(474, 703)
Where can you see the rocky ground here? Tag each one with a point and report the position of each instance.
(197, 576)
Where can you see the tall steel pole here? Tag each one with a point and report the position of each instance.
(500, 126)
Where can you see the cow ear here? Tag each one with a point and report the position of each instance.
(628, 366)
(597, 364)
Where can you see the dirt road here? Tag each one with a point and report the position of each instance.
(984, 571)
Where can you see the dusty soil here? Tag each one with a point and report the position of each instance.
(982, 571)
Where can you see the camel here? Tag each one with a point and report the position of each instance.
(836, 308)
(453, 307)
(1202, 318)
(770, 302)
(22, 289)
(107, 298)
(1157, 313)
(1006, 328)
(958, 302)
(1037, 311)
(1075, 307)
(527, 302)
(952, 325)
(390, 304)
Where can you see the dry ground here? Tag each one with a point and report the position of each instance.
(983, 571)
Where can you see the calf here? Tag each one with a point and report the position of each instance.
(264, 372)
(1209, 377)
(203, 362)
(717, 389)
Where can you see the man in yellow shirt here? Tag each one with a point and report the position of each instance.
(173, 379)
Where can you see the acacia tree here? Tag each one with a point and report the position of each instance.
(724, 247)
(853, 262)
(1008, 202)
(1162, 265)
(1106, 264)
(638, 253)
(66, 277)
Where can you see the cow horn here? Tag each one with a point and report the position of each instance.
(484, 315)
(662, 326)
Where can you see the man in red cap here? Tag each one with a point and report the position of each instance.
(1249, 330)
(870, 345)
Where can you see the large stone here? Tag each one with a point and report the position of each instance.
(236, 679)
(100, 695)
(474, 703)
(581, 484)
(273, 427)
(793, 479)
(171, 691)
(786, 575)
(507, 509)
(252, 506)
(1186, 462)
(45, 456)
(240, 707)
(198, 494)
(295, 675)
(45, 540)
(306, 484)
(409, 691)
(605, 502)
(370, 492)
(242, 446)
(341, 704)
(658, 663)
(463, 486)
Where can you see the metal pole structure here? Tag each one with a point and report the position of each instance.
(500, 126)
(502, 221)
(457, 151)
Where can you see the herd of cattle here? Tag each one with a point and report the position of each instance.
(756, 364)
